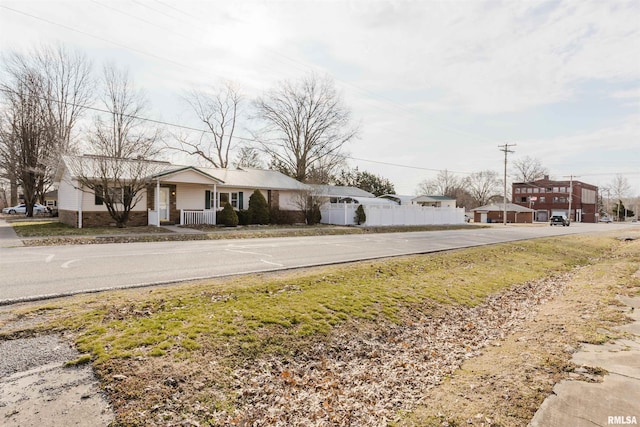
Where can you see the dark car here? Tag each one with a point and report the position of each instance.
(559, 220)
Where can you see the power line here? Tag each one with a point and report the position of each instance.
(202, 130)
(75, 30)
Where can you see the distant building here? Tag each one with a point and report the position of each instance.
(494, 212)
(575, 199)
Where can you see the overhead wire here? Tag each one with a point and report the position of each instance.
(273, 52)
(203, 130)
(168, 60)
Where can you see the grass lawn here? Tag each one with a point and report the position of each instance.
(255, 349)
(43, 232)
(54, 228)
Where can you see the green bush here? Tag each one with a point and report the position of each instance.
(244, 217)
(361, 217)
(228, 216)
(258, 208)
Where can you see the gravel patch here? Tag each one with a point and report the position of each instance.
(25, 353)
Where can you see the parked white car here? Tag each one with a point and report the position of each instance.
(22, 209)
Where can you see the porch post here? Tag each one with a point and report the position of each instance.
(80, 207)
(157, 202)
(215, 203)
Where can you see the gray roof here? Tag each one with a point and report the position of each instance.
(425, 198)
(255, 178)
(399, 199)
(95, 167)
(92, 167)
(339, 191)
(369, 201)
(511, 207)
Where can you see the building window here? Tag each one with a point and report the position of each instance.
(542, 199)
(523, 199)
(228, 198)
(118, 195)
(99, 194)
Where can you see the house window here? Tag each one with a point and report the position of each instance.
(225, 198)
(99, 194)
(120, 194)
(542, 199)
(209, 200)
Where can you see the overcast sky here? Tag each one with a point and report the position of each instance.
(434, 84)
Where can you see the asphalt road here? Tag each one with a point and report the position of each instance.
(31, 273)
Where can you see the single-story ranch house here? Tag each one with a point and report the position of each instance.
(174, 194)
(178, 194)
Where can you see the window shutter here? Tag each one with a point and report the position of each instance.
(240, 200)
(99, 191)
(207, 199)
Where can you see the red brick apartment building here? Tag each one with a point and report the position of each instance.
(546, 197)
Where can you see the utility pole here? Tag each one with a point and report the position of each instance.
(570, 193)
(506, 150)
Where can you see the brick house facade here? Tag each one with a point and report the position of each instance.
(546, 196)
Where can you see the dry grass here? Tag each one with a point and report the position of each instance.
(212, 351)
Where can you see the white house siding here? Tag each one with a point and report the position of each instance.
(189, 177)
(191, 196)
(67, 194)
(289, 200)
(89, 203)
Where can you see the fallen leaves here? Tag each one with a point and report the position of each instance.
(368, 375)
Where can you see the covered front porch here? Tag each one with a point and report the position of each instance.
(185, 196)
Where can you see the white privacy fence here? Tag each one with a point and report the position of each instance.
(344, 214)
(197, 217)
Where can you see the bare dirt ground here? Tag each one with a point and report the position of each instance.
(36, 389)
(492, 364)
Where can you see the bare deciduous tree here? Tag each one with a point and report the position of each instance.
(122, 134)
(45, 92)
(306, 124)
(9, 150)
(619, 187)
(122, 144)
(219, 109)
(444, 184)
(248, 157)
(482, 186)
(528, 169)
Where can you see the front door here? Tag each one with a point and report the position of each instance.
(164, 204)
